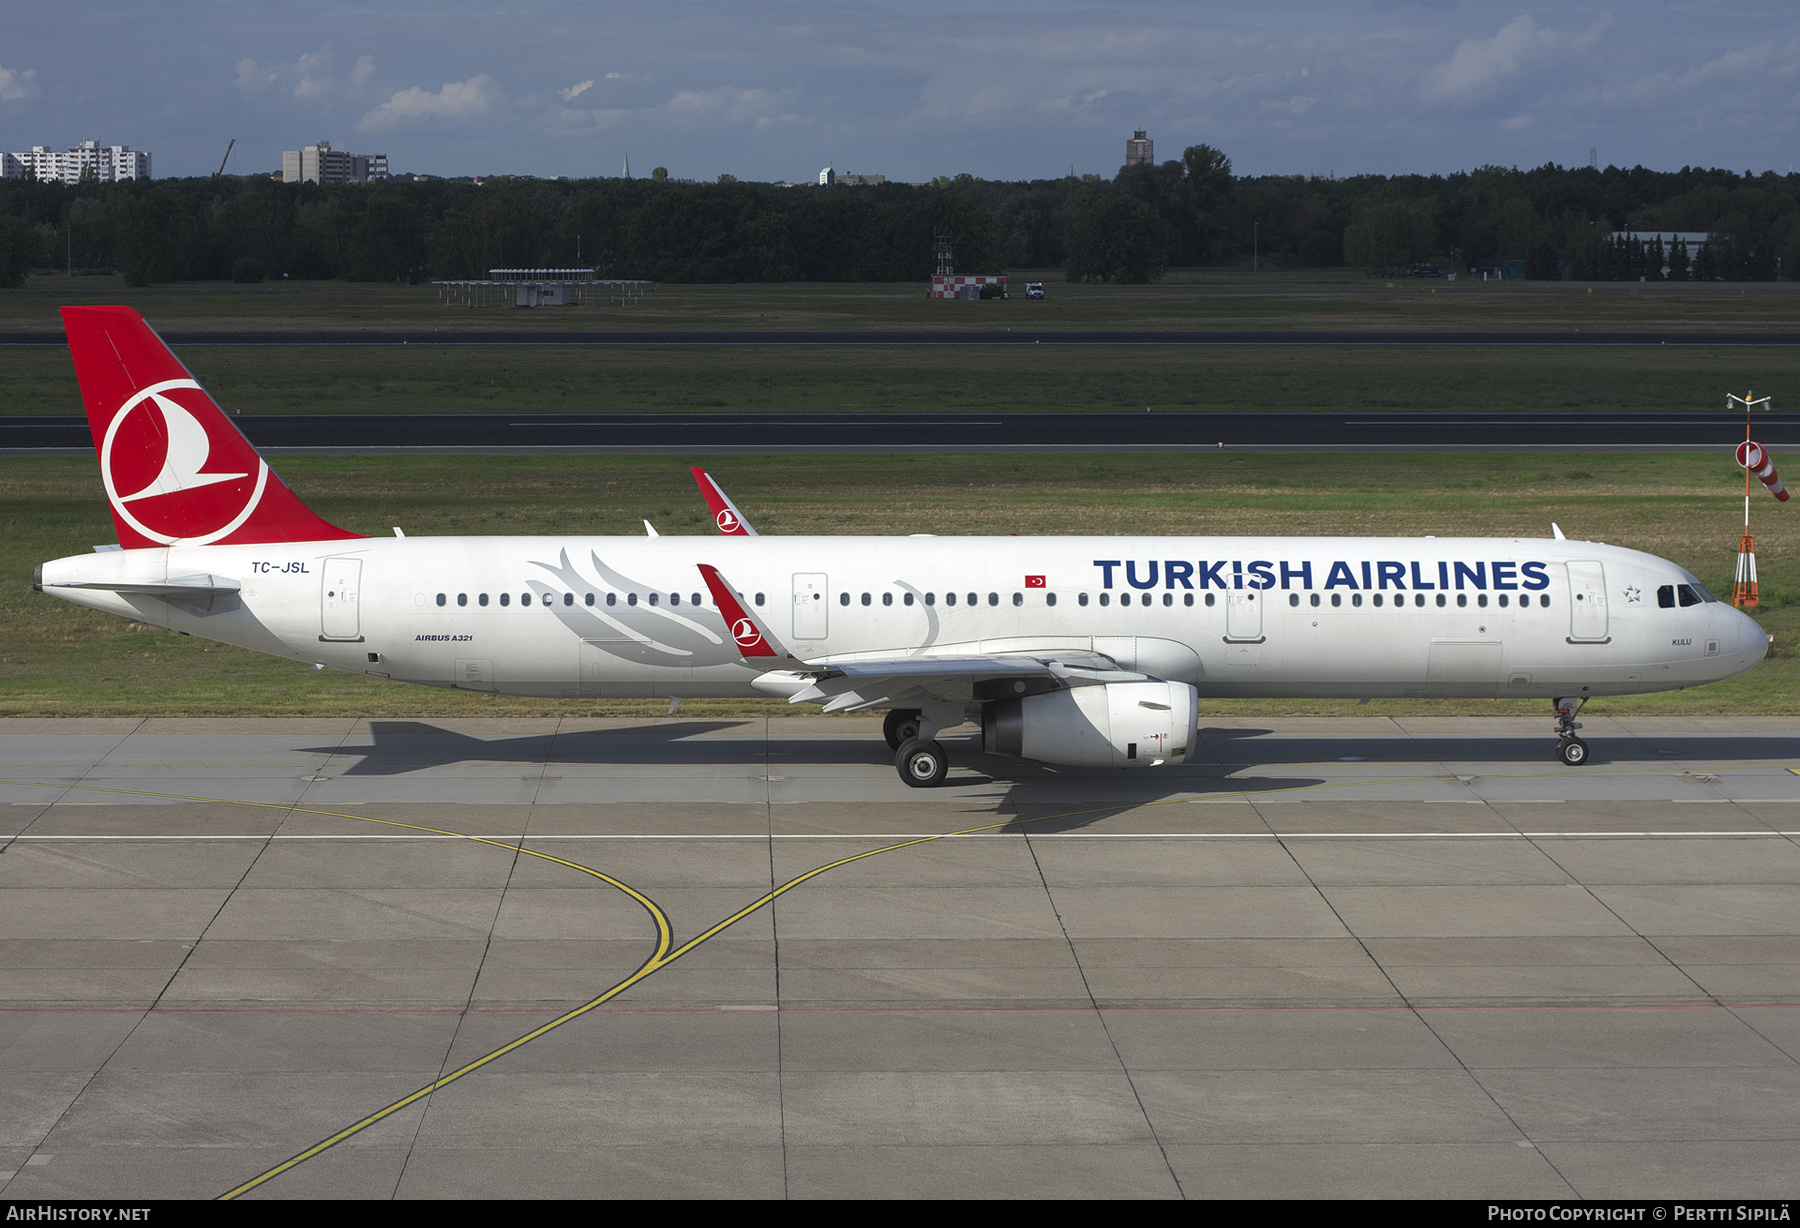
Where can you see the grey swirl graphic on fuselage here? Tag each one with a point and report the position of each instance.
(931, 616)
(643, 633)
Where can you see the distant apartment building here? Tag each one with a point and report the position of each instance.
(320, 163)
(829, 178)
(90, 159)
(1140, 150)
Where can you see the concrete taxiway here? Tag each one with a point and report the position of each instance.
(1327, 958)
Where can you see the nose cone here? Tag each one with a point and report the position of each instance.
(1752, 641)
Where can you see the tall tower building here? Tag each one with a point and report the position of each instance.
(1140, 150)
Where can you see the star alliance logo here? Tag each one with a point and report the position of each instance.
(1633, 595)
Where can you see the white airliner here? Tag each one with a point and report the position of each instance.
(1085, 651)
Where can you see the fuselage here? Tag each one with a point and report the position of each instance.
(1250, 617)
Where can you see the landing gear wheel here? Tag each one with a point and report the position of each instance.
(922, 763)
(900, 727)
(1572, 751)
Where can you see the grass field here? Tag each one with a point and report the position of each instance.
(425, 379)
(1205, 299)
(57, 659)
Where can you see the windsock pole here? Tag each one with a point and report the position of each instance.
(1756, 462)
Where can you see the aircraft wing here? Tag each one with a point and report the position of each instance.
(901, 680)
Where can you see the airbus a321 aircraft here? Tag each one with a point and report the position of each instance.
(1084, 651)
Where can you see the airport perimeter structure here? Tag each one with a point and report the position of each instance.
(1329, 957)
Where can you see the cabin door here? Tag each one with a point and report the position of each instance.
(1587, 601)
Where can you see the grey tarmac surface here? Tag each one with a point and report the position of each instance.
(1328, 958)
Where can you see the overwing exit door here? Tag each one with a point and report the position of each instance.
(1243, 616)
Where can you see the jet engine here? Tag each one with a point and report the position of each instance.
(1115, 724)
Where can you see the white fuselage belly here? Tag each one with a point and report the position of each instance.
(372, 606)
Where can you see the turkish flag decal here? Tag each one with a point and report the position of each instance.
(1034, 582)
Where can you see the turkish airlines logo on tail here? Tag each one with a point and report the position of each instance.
(727, 522)
(200, 488)
(745, 633)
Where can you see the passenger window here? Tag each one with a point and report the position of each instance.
(887, 599)
(674, 598)
(612, 599)
(1049, 598)
(1080, 598)
(1337, 599)
(843, 598)
(462, 599)
(693, 598)
(1124, 599)
(1665, 597)
(589, 599)
(1441, 601)
(1376, 600)
(1481, 600)
(568, 598)
(525, 599)
(630, 598)
(1187, 599)
(993, 598)
(759, 599)
(440, 599)
(1168, 598)
(1462, 600)
(930, 598)
(1104, 598)
(865, 598)
(1503, 601)
(652, 598)
(505, 599)
(1209, 599)
(906, 598)
(1356, 599)
(949, 598)
(1294, 599)
(1018, 598)
(974, 598)
(1418, 599)
(1315, 601)
(481, 600)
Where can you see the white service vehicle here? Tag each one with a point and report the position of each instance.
(1088, 651)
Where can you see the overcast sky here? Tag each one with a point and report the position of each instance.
(1002, 89)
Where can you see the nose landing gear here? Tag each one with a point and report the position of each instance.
(1570, 749)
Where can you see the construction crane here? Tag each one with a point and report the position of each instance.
(225, 159)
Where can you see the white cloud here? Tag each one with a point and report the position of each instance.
(576, 91)
(458, 100)
(16, 85)
(309, 78)
(1481, 65)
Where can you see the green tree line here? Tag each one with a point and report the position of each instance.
(1186, 212)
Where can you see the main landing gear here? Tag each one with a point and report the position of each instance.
(900, 727)
(1570, 749)
(921, 762)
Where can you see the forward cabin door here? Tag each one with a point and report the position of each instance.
(812, 610)
(1587, 602)
(340, 616)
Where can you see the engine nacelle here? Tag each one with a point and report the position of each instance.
(1117, 724)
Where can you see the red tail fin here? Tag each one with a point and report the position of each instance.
(731, 522)
(176, 470)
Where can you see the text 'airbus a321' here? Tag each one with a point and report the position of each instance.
(1082, 651)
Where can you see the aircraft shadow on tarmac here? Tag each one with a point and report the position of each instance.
(399, 747)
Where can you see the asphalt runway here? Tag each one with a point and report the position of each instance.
(960, 337)
(1328, 958)
(787, 434)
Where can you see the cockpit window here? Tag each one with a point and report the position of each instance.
(1688, 594)
(1665, 597)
